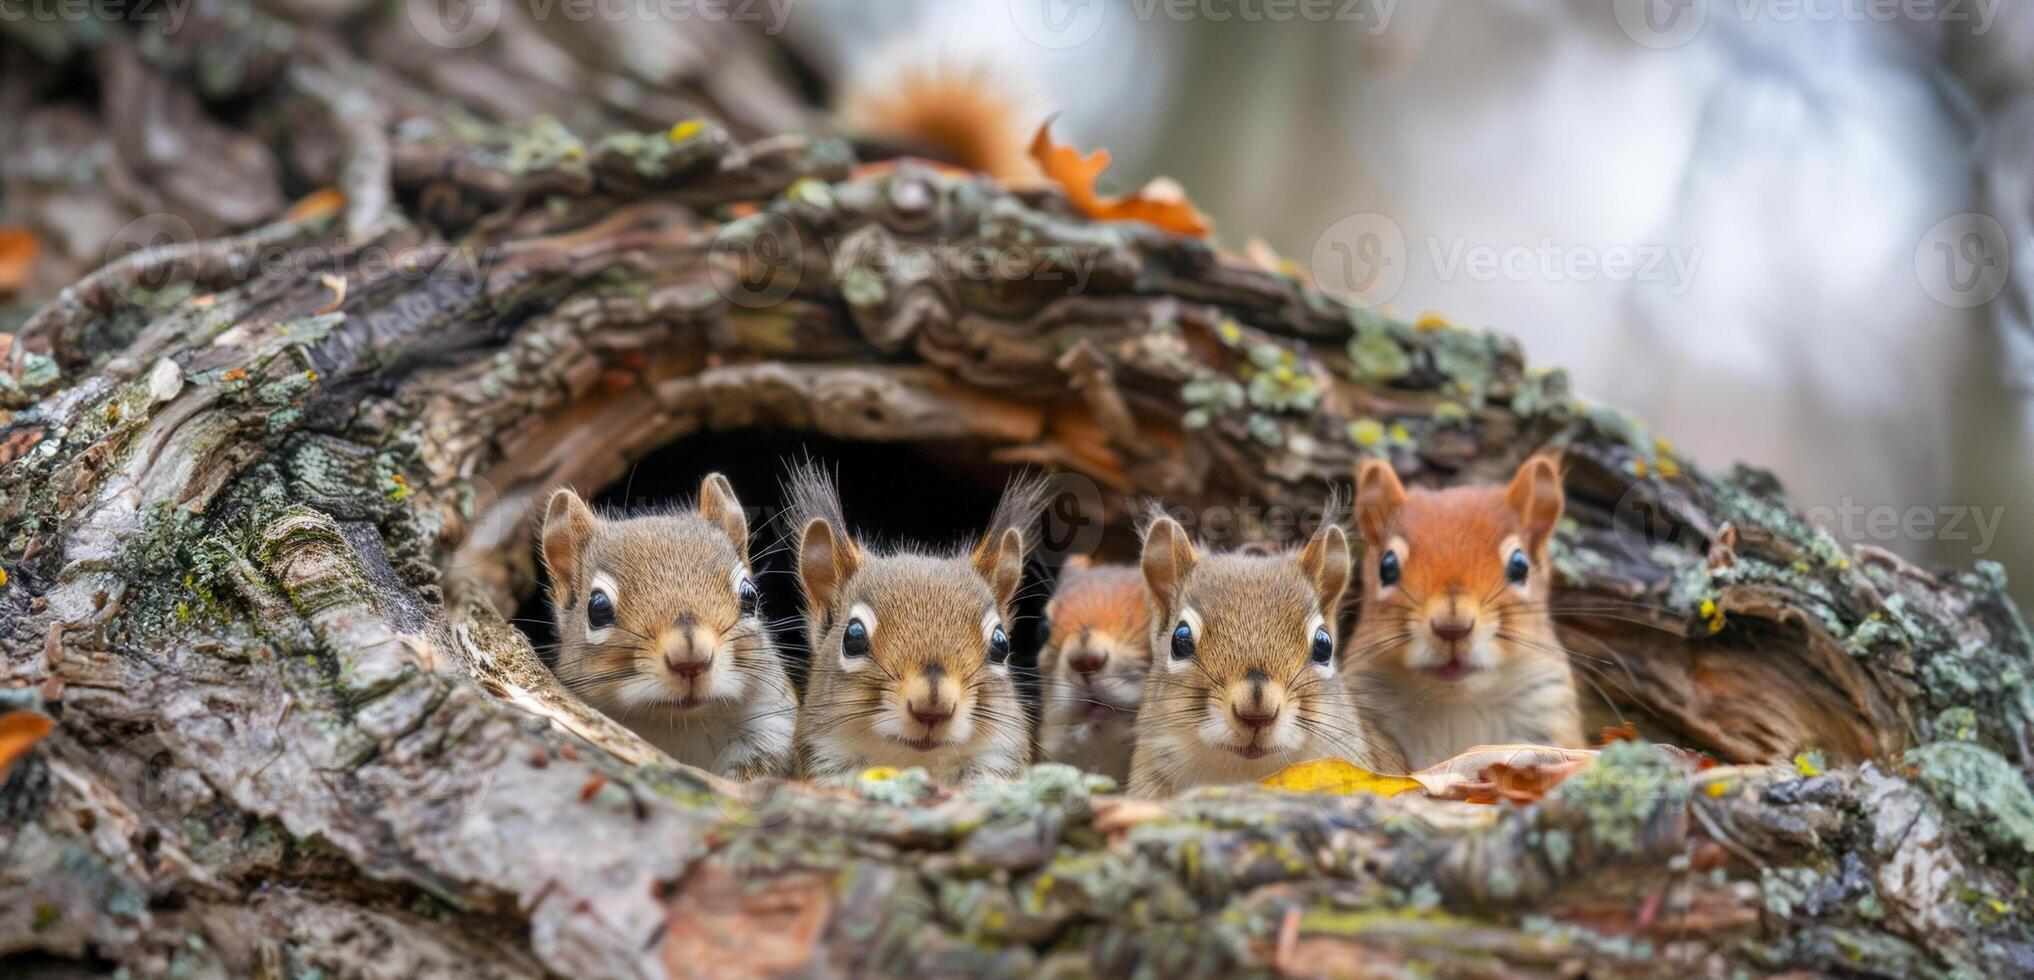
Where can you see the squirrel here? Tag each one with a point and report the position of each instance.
(911, 649)
(1455, 647)
(1243, 680)
(1097, 649)
(660, 628)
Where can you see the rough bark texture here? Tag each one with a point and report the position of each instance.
(261, 527)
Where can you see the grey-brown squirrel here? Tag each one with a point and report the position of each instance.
(910, 648)
(660, 628)
(1243, 680)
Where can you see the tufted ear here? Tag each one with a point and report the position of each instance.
(568, 525)
(1001, 564)
(1535, 496)
(1325, 560)
(1168, 557)
(1378, 497)
(717, 503)
(827, 558)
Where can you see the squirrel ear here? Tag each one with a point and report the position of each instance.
(1002, 564)
(825, 562)
(568, 524)
(717, 503)
(1378, 497)
(1168, 557)
(1325, 560)
(1535, 496)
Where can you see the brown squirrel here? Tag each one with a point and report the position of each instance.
(1091, 671)
(659, 627)
(910, 650)
(1243, 679)
(1455, 647)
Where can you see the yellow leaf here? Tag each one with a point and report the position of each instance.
(1338, 777)
(318, 204)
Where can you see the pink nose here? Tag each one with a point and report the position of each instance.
(1452, 632)
(1086, 661)
(688, 668)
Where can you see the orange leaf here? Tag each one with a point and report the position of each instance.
(1626, 732)
(1160, 203)
(19, 730)
(18, 248)
(318, 204)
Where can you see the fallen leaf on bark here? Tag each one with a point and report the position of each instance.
(318, 204)
(1488, 773)
(1338, 777)
(19, 731)
(1160, 203)
(18, 248)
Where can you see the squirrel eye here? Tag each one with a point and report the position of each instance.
(599, 610)
(1182, 641)
(856, 641)
(1324, 645)
(999, 646)
(1517, 568)
(1387, 569)
(746, 594)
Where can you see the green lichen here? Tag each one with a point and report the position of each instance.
(1279, 381)
(1981, 786)
(1209, 396)
(1376, 353)
(1621, 791)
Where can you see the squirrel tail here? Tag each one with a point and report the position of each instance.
(970, 110)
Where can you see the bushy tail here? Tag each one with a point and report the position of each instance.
(969, 110)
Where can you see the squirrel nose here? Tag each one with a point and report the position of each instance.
(1255, 718)
(1451, 631)
(931, 714)
(1086, 660)
(684, 653)
(686, 668)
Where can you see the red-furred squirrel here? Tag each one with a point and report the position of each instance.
(1455, 647)
(659, 626)
(1091, 671)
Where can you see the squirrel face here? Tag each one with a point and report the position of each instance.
(1098, 643)
(1455, 581)
(1243, 650)
(910, 651)
(656, 612)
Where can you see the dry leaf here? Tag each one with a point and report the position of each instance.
(1626, 732)
(1488, 773)
(317, 205)
(18, 248)
(19, 731)
(1160, 203)
(1338, 777)
(337, 284)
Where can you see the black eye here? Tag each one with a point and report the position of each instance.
(1387, 569)
(599, 610)
(1517, 568)
(1324, 646)
(746, 593)
(999, 646)
(1182, 641)
(856, 641)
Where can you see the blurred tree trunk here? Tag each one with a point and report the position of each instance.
(265, 506)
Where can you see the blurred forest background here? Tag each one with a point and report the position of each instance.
(1783, 231)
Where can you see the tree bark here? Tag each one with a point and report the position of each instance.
(266, 505)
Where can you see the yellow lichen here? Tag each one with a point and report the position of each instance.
(1399, 434)
(1432, 321)
(1366, 432)
(1807, 764)
(685, 130)
(879, 773)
